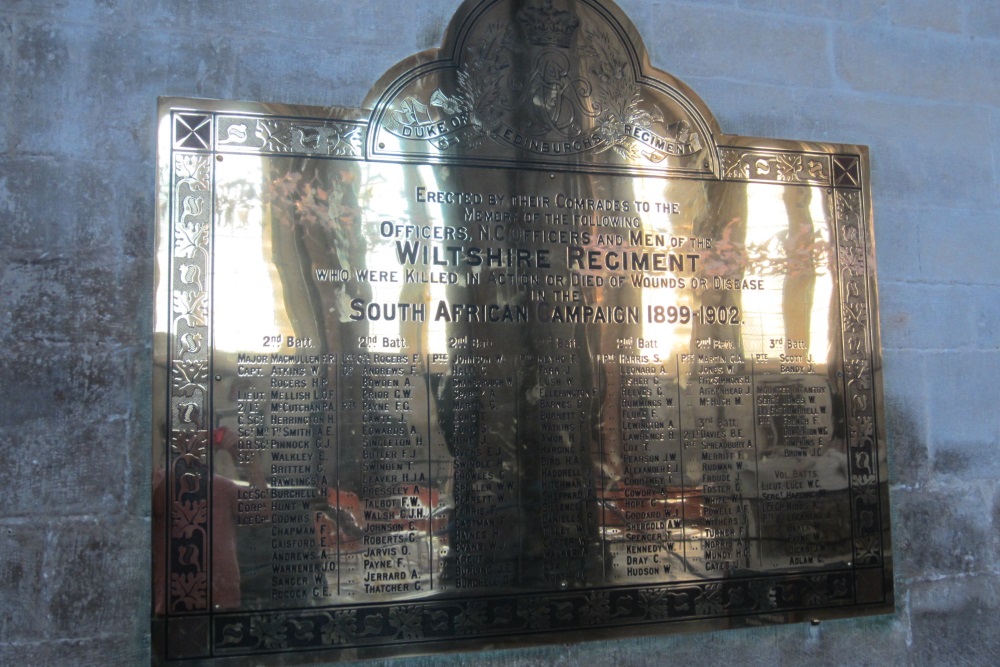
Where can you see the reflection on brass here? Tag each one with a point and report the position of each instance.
(526, 351)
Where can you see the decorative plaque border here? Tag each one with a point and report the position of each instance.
(197, 134)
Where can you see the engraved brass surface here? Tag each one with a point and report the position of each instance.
(528, 351)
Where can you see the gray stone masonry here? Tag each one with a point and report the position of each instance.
(916, 80)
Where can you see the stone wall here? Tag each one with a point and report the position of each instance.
(916, 80)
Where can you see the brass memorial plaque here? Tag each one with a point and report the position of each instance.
(526, 350)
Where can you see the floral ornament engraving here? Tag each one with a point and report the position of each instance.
(654, 604)
(681, 601)
(188, 517)
(536, 612)
(192, 308)
(848, 206)
(189, 377)
(190, 238)
(737, 597)
(482, 93)
(861, 427)
(596, 609)
(563, 611)
(235, 134)
(189, 555)
(709, 601)
(440, 621)
(863, 470)
(193, 171)
(623, 606)
(192, 207)
(764, 594)
(855, 317)
(269, 632)
(374, 623)
(345, 141)
(503, 615)
(342, 628)
(860, 374)
(841, 588)
(857, 346)
(302, 630)
(191, 275)
(407, 621)
(190, 343)
(733, 165)
(868, 550)
(866, 495)
(472, 618)
(276, 135)
(189, 589)
(189, 412)
(190, 484)
(852, 260)
(780, 168)
(338, 140)
(232, 633)
(814, 593)
(190, 447)
(618, 102)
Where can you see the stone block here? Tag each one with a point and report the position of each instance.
(114, 553)
(54, 207)
(7, 91)
(54, 467)
(898, 236)
(839, 10)
(982, 18)
(944, 529)
(927, 15)
(136, 459)
(76, 300)
(922, 316)
(995, 139)
(22, 548)
(987, 317)
(954, 619)
(77, 382)
(73, 578)
(77, 11)
(745, 46)
(100, 651)
(963, 429)
(927, 66)
(113, 109)
(958, 246)
(914, 161)
(272, 71)
(750, 110)
(906, 412)
(367, 22)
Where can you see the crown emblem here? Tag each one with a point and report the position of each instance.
(548, 26)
